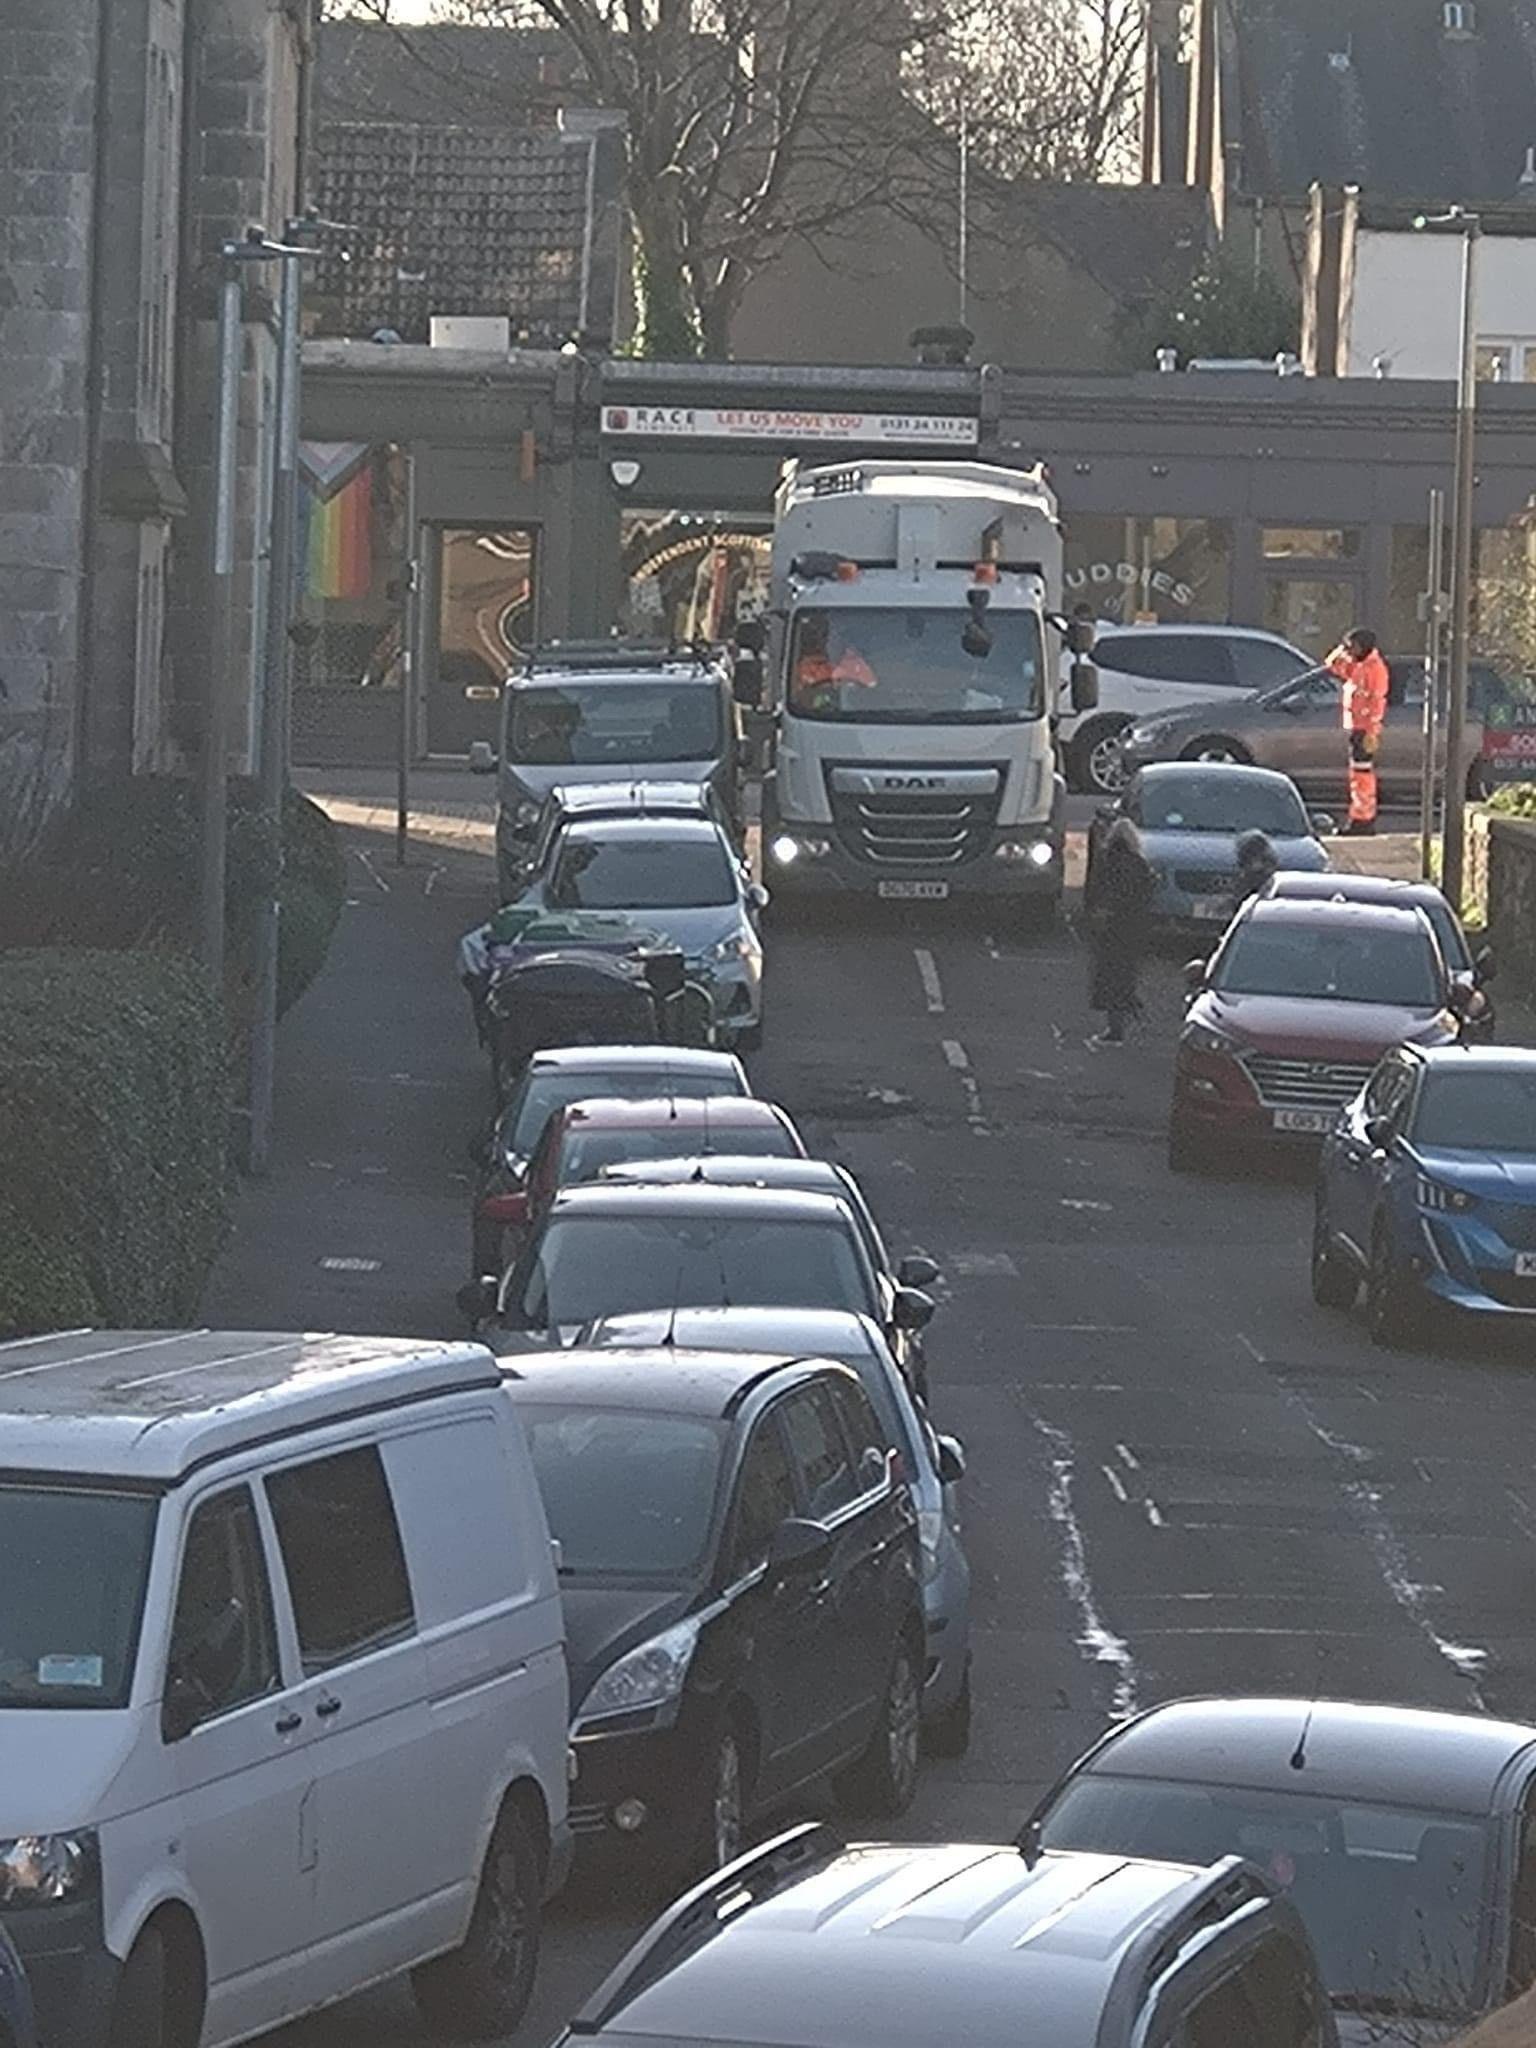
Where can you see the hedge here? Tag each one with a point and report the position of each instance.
(113, 1133)
(1514, 800)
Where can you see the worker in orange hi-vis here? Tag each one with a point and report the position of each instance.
(1359, 666)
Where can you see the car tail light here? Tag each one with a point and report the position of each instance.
(505, 1208)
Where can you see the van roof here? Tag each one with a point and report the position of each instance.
(148, 1406)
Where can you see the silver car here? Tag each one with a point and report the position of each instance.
(934, 1465)
(682, 877)
(1298, 729)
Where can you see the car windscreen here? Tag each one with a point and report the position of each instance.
(1330, 963)
(540, 1094)
(73, 1567)
(912, 667)
(1392, 1896)
(628, 873)
(585, 1154)
(585, 1267)
(640, 723)
(1478, 1110)
(627, 1494)
(1220, 803)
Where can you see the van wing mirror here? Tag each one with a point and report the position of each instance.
(912, 1309)
(1195, 972)
(1484, 965)
(478, 1299)
(951, 1460)
(917, 1270)
(1084, 684)
(482, 758)
(1080, 636)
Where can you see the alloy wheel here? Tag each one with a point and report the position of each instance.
(1107, 773)
(726, 1826)
(903, 1726)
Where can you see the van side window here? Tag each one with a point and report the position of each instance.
(223, 1642)
(341, 1549)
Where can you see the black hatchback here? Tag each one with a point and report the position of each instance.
(741, 1581)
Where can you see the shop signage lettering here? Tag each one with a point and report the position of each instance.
(1509, 742)
(718, 423)
(1104, 575)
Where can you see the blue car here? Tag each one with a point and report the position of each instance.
(16, 2024)
(1190, 815)
(1426, 1190)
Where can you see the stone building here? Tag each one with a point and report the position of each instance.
(138, 135)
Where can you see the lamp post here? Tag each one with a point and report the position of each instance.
(1453, 831)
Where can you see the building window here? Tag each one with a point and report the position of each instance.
(1507, 359)
(1311, 543)
(1150, 569)
(1459, 17)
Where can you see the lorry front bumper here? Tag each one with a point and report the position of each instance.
(1019, 860)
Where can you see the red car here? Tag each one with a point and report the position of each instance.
(1290, 1015)
(580, 1140)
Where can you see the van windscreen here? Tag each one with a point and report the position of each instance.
(71, 1593)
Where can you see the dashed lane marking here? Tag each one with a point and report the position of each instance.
(351, 1265)
(928, 974)
(956, 1054)
(981, 1265)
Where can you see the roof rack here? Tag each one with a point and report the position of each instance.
(701, 1913)
(1214, 1898)
(607, 653)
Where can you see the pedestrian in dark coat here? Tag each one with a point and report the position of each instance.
(1118, 905)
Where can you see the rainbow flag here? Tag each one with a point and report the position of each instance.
(336, 540)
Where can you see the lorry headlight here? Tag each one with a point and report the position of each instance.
(525, 815)
(650, 1676)
(1038, 852)
(786, 849)
(47, 1870)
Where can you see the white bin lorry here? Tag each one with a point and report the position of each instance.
(913, 648)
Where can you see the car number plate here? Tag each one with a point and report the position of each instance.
(1525, 1265)
(930, 892)
(1311, 1120)
(1210, 906)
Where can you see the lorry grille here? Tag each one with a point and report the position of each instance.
(887, 824)
(1305, 1084)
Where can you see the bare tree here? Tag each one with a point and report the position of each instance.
(750, 123)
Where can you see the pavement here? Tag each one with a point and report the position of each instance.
(1184, 1477)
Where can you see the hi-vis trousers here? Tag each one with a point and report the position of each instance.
(1362, 778)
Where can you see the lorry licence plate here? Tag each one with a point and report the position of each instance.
(929, 891)
(1319, 1120)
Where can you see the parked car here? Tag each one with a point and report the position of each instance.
(740, 1576)
(1406, 1839)
(273, 1725)
(607, 1250)
(587, 1137)
(810, 1944)
(1473, 970)
(681, 877)
(932, 1466)
(561, 1075)
(1288, 1018)
(1426, 1190)
(1190, 820)
(1298, 729)
(625, 799)
(905, 1307)
(1146, 670)
(18, 2027)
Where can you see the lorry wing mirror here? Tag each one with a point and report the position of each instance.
(1080, 636)
(1085, 686)
(482, 758)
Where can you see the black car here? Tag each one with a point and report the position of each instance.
(740, 1573)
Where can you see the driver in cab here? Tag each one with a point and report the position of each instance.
(818, 673)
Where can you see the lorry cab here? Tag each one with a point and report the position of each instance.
(913, 666)
(609, 711)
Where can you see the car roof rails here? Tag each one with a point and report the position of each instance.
(701, 1913)
(608, 653)
(1216, 1897)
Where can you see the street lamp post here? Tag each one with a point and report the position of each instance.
(1453, 831)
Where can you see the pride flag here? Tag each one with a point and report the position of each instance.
(336, 542)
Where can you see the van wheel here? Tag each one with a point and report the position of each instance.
(949, 1733)
(882, 1781)
(138, 2011)
(482, 1989)
(1096, 758)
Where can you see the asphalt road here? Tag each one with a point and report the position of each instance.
(1183, 1476)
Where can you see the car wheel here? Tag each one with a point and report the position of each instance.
(1335, 1283)
(1390, 1305)
(1187, 1151)
(1217, 747)
(949, 1733)
(882, 1781)
(1097, 756)
(138, 2011)
(482, 1989)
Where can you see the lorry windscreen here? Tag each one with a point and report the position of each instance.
(870, 666)
(635, 724)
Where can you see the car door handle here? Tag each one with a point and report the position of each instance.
(285, 1724)
(328, 1706)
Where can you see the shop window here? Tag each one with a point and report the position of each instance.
(1311, 543)
(691, 575)
(1160, 569)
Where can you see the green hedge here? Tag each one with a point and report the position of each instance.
(113, 1130)
(1514, 800)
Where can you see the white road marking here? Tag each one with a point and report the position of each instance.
(956, 1054)
(1099, 1208)
(982, 1265)
(1095, 1637)
(958, 1058)
(1080, 1330)
(929, 975)
(1116, 1483)
(373, 874)
(351, 1265)
(1154, 1513)
(1127, 1457)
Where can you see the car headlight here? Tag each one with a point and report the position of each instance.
(930, 1534)
(47, 1870)
(525, 815)
(1205, 1038)
(736, 947)
(1443, 1201)
(1141, 736)
(647, 1677)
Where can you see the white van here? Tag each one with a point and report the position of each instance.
(283, 1702)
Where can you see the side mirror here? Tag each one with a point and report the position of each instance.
(1080, 636)
(1195, 972)
(912, 1309)
(747, 682)
(917, 1270)
(757, 896)
(1324, 824)
(1484, 965)
(951, 1460)
(477, 1299)
(1084, 686)
(1379, 1133)
(482, 758)
(751, 636)
(797, 1546)
(1293, 707)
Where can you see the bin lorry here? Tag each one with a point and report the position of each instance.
(912, 657)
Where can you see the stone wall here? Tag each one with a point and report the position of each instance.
(1512, 903)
